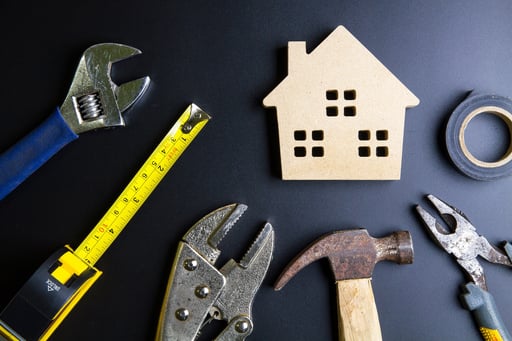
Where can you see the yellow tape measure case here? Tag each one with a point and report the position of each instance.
(43, 302)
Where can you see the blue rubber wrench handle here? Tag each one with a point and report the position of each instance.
(32, 151)
(482, 305)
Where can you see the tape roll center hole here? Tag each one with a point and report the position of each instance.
(488, 137)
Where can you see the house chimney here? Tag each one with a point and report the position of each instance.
(296, 56)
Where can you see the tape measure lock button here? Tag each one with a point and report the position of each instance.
(68, 267)
(473, 106)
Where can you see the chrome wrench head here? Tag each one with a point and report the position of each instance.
(94, 100)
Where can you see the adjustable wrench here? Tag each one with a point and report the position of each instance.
(93, 101)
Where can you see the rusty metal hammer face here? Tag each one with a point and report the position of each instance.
(352, 255)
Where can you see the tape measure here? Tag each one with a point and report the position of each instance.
(57, 286)
(140, 187)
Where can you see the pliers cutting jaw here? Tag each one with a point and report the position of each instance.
(464, 243)
(198, 292)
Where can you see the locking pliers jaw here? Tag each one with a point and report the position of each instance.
(208, 232)
(197, 289)
(243, 280)
(94, 100)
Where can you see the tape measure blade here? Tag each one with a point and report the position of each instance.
(141, 186)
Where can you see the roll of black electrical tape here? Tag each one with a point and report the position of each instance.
(472, 106)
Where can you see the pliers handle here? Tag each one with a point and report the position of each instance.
(485, 313)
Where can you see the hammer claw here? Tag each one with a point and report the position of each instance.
(303, 259)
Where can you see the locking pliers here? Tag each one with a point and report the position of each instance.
(93, 101)
(198, 292)
(465, 244)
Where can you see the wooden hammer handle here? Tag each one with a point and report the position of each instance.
(357, 313)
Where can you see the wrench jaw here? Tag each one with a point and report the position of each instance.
(94, 100)
(130, 92)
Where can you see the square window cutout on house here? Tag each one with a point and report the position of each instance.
(299, 135)
(300, 151)
(382, 151)
(331, 111)
(317, 151)
(364, 151)
(349, 111)
(382, 135)
(364, 135)
(317, 135)
(331, 95)
(349, 95)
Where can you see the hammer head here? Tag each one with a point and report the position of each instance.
(352, 254)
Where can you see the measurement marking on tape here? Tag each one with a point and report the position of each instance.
(142, 185)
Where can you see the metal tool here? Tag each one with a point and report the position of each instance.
(465, 244)
(93, 101)
(64, 278)
(198, 292)
(352, 255)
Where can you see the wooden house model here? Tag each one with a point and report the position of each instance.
(340, 113)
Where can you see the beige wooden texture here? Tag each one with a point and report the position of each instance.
(340, 113)
(357, 314)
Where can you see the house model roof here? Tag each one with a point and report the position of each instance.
(339, 56)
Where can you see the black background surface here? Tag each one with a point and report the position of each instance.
(226, 56)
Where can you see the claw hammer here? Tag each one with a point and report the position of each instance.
(352, 255)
